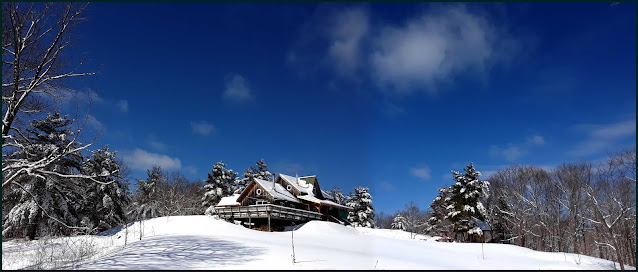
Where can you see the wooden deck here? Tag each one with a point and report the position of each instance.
(269, 211)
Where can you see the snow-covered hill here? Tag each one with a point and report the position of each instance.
(201, 242)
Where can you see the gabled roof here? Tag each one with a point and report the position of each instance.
(277, 192)
(305, 185)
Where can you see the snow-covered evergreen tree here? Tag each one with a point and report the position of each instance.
(220, 183)
(437, 222)
(260, 172)
(338, 196)
(45, 204)
(146, 204)
(399, 222)
(105, 202)
(362, 214)
(466, 196)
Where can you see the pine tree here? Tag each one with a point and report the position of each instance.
(147, 204)
(220, 183)
(338, 195)
(105, 202)
(362, 214)
(437, 222)
(399, 222)
(46, 204)
(465, 205)
(260, 172)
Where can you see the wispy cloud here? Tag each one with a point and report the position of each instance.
(387, 186)
(421, 172)
(511, 152)
(536, 140)
(202, 128)
(237, 89)
(349, 27)
(122, 105)
(602, 138)
(93, 122)
(140, 159)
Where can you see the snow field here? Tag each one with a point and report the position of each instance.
(202, 242)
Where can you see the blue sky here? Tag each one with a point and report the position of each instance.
(391, 96)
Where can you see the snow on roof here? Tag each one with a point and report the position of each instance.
(302, 186)
(324, 202)
(228, 201)
(482, 225)
(278, 192)
(327, 194)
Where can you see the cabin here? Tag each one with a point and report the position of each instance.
(285, 201)
(486, 231)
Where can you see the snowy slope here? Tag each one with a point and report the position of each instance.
(201, 242)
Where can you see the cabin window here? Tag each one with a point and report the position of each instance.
(258, 192)
(289, 187)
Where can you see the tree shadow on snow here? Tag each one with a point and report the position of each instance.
(176, 252)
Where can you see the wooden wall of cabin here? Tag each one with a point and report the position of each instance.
(251, 197)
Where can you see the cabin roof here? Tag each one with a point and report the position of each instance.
(322, 201)
(304, 185)
(327, 195)
(482, 225)
(277, 192)
(228, 201)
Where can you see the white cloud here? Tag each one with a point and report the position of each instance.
(349, 27)
(237, 89)
(422, 172)
(202, 128)
(510, 153)
(122, 105)
(602, 138)
(433, 48)
(141, 160)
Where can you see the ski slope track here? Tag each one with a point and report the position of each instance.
(202, 242)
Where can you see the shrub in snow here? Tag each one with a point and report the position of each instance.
(362, 214)
(399, 222)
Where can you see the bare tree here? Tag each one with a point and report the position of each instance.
(35, 37)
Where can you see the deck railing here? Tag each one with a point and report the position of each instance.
(266, 211)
